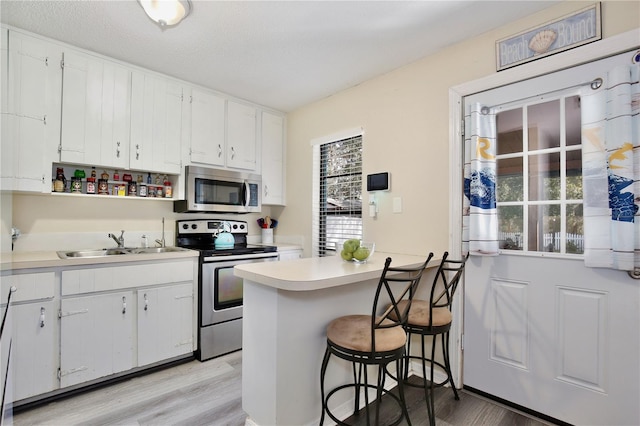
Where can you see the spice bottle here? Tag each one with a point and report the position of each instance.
(60, 185)
(91, 182)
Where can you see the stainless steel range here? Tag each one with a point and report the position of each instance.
(219, 291)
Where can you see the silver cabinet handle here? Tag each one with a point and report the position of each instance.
(124, 305)
(146, 302)
(266, 190)
(137, 151)
(233, 153)
(41, 316)
(118, 149)
(219, 150)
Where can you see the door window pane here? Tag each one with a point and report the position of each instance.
(543, 122)
(544, 177)
(544, 228)
(574, 175)
(575, 229)
(509, 126)
(573, 122)
(509, 180)
(510, 227)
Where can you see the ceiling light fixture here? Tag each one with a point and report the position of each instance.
(166, 13)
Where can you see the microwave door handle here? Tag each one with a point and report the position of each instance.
(246, 194)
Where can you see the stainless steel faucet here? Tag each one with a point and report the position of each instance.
(118, 240)
(162, 242)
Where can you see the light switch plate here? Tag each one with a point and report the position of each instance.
(397, 204)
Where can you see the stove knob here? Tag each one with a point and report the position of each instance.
(185, 226)
(235, 226)
(241, 226)
(194, 226)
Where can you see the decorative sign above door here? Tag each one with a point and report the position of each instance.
(578, 28)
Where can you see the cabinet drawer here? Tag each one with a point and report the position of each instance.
(81, 281)
(29, 286)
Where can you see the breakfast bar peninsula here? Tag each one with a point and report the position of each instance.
(287, 307)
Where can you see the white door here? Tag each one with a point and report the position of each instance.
(540, 329)
(34, 349)
(96, 336)
(272, 159)
(165, 322)
(207, 128)
(241, 136)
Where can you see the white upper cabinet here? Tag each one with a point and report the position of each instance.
(241, 136)
(273, 132)
(207, 128)
(156, 124)
(95, 111)
(31, 78)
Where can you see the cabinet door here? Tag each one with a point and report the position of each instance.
(6, 145)
(241, 136)
(165, 322)
(95, 111)
(34, 349)
(96, 336)
(156, 124)
(31, 128)
(207, 128)
(272, 159)
(289, 254)
(169, 159)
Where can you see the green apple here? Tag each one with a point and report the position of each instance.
(346, 255)
(361, 253)
(351, 245)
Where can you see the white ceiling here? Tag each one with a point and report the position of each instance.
(280, 54)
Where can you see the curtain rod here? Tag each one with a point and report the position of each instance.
(595, 84)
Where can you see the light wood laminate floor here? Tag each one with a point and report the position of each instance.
(209, 393)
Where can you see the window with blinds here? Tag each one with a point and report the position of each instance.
(338, 210)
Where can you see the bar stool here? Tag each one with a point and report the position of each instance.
(374, 339)
(433, 318)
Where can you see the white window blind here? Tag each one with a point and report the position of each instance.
(337, 194)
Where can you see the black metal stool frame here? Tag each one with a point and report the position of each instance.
(443, 299)
(410, 276)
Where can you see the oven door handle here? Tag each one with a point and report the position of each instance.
(256, 257)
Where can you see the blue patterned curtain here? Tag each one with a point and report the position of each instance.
(611, 170)
(480, 216)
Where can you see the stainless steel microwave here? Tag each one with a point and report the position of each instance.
(220, 191)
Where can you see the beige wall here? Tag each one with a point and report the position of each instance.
(405, 116)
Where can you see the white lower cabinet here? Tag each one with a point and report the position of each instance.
(34, 346)
(117, 318)
(165, 322)
(96, 336)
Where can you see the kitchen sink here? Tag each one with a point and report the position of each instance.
(71, 254)
(151, 250)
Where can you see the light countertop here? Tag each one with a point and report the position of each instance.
(48, 259)
(315, 273)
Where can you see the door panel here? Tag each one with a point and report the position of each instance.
(543, 331)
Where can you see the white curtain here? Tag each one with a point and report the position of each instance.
(480, 216)
(611, 170)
